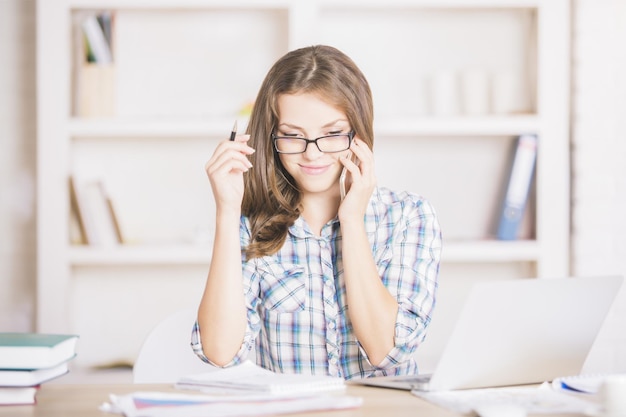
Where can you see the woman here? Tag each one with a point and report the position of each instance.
(316, 283)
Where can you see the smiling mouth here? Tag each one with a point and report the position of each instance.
(314, 170)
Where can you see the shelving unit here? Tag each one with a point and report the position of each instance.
(179, 86)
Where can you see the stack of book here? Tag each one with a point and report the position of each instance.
(27, 360)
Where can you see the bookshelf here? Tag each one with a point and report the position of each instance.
(183, 70)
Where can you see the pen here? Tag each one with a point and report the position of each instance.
(233, 133)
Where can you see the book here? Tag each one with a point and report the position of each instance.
(31, 377)
(251, 378)
(101, 223)
(520, 179)
(96, 40)
(35, 350)
(78, 211)
(17, 395)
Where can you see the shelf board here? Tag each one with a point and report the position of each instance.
(93, 128)
(410, 127)
(179, 4)
(188, 254)
(430, 4)
(463, 126)
(198, 4)
(491, 251)
(183, 254)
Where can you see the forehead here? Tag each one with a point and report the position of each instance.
(307, 110)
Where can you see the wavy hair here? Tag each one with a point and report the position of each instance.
(271, 200)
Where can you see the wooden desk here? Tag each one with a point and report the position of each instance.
(59, 400)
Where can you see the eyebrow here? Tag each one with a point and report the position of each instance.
(292, 126)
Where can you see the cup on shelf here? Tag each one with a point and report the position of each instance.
(444, 94)
(475, 92)
(508, 95)
(613, 395)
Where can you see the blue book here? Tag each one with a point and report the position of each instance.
(520, 179)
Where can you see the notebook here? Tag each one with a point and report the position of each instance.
(517, 332)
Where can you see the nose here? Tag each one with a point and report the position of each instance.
(312, 151)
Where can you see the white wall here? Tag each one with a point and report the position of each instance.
(599, 160)
(17, 164)
(598, 146)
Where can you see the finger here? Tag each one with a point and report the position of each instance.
(226, 147)
(242, 138)
(227, 161)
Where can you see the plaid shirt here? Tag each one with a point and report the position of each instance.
(296, 299)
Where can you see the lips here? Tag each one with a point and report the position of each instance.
(314, 170)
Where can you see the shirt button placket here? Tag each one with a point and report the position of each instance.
(330, 310)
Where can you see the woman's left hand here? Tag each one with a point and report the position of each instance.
(360, 181)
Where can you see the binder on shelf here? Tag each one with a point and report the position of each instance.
(520, 179)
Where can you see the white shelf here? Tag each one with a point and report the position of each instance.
(462, 126)
(165, 87)
(111, 128)
(250, 4)
(179, 4)
(185, 254)
(491, 251)
(182, 254)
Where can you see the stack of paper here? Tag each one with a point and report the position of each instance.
(242, 390)
(250, 378)
(162, 404)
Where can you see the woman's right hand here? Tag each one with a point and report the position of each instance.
(225, 171)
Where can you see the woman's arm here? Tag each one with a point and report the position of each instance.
(389, 313)
(222, 313)
(372, 309)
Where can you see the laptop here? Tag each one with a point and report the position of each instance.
(517, 332)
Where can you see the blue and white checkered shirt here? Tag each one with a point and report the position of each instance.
(296, 299)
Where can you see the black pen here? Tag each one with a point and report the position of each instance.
(233, 133)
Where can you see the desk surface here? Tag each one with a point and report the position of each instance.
(59, 400)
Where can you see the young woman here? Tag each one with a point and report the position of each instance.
(315, 282)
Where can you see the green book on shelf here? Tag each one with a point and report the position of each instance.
(35, 350)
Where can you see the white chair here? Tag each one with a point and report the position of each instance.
(166, 353)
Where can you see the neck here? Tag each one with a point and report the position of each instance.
(318, 209)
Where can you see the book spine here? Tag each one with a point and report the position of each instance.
(520, 179)
(99, 217)
(78, 211)
(97, 41)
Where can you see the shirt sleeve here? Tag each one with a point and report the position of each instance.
(409, 269)
(250, 286)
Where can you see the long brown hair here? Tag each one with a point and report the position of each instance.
(271, 201)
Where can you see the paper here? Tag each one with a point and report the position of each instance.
(588, 384)
(539, 400)
(164, 404)
(250, 378)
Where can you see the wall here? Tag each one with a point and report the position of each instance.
(598, 155)
(17, 164)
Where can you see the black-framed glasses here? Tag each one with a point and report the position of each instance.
(327, 144)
